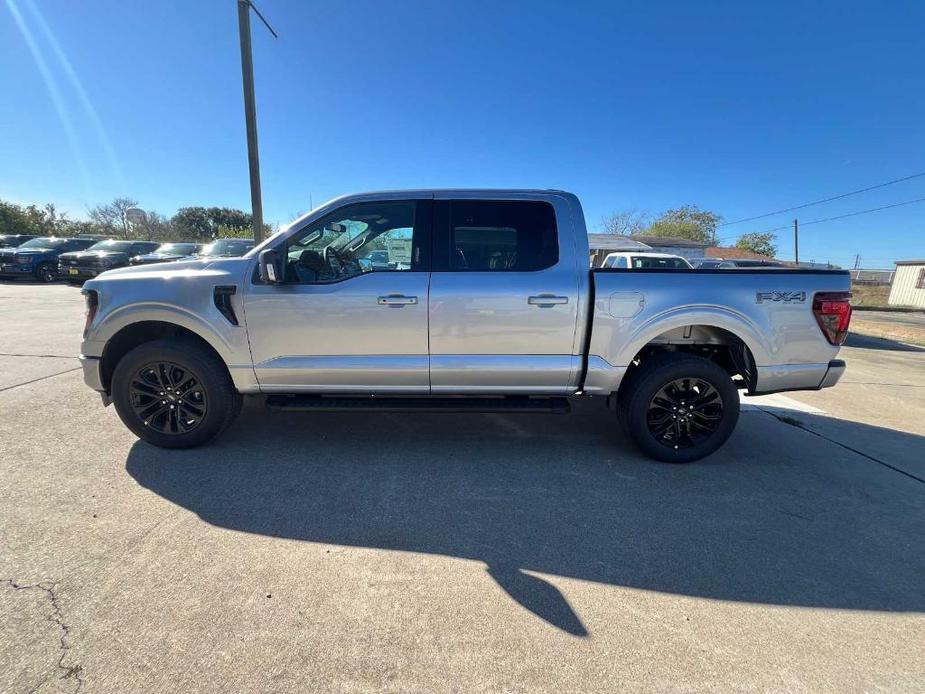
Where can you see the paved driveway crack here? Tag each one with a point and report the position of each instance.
(41, 378)
(799, 425)
(56, 617)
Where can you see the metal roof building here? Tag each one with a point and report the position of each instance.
(603, 244)
(908, 288)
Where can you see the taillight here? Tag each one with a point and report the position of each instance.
(93, 301)
(833, 314)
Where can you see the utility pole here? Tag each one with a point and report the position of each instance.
(857, 261)
(250, 111)
(796, 241)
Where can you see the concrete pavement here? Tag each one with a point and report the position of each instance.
(383, 552)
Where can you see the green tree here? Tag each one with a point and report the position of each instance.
(17, 219)
(686, 222)
(207, 223)
(756, 242)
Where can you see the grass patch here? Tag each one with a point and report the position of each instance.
(869, 295)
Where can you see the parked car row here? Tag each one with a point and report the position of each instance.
(635, 260)
(49, 258)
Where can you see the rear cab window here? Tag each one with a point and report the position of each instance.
(495, 236)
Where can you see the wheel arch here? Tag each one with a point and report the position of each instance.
(734, 345)
(138, 333)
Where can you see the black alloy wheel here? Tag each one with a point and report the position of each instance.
(685, 413)
(168, 398)
(679, 408)
(174, 393)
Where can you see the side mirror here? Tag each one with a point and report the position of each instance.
(270, 265)
(366, 265)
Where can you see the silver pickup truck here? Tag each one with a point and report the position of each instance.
(452, 300)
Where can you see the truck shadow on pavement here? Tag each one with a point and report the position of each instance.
(777, 517)
(871, 342)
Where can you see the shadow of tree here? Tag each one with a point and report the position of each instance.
(766, 520)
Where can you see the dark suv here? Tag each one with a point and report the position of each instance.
(101, 256)
(38, 257)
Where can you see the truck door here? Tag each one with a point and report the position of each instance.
(349, 317)
(503, 299)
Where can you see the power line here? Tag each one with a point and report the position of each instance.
(831, 219)
(819, 202)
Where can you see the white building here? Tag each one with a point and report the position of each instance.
(908, 288)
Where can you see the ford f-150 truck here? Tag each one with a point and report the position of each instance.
(496, 309)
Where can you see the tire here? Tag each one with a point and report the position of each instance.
(669, 428)
(46, 272)
(200, 400)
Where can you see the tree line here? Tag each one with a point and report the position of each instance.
(685, 222)
(112, 220)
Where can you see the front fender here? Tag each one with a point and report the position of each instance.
(229, 341)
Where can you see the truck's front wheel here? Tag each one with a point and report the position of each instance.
(680, 408)
(174, 393)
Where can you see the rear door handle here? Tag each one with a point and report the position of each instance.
(547, 300)
(397, 300)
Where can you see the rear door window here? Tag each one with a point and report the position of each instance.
(495, 236)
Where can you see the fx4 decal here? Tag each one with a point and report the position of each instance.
(785, 297)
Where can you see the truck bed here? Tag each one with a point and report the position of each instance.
(768, 311)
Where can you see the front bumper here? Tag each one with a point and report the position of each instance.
(16, 270)
(79, 272)
(93, 374)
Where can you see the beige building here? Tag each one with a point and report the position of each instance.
(908, 288)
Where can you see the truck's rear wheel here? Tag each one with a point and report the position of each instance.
(174, 393)
(680, 408)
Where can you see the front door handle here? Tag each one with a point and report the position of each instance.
(547, 300)
(397, 300)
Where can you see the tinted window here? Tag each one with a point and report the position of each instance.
(114, 246)
(228, 247)
(177, 248)
(45, 242)
(644, 263)
(500, 236)
(381, 236)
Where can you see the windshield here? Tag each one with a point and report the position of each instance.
(649, 263)
(44, 242)
(228, 247)
(117, 246)
(176, 248)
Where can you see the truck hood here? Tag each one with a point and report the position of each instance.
(189, 270)
(93, 255)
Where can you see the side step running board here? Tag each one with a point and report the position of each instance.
(319, 403)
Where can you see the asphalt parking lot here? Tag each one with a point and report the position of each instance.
(383, 552)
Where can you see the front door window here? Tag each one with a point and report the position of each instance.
(366, 237)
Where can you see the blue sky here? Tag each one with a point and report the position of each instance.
(741, 108)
